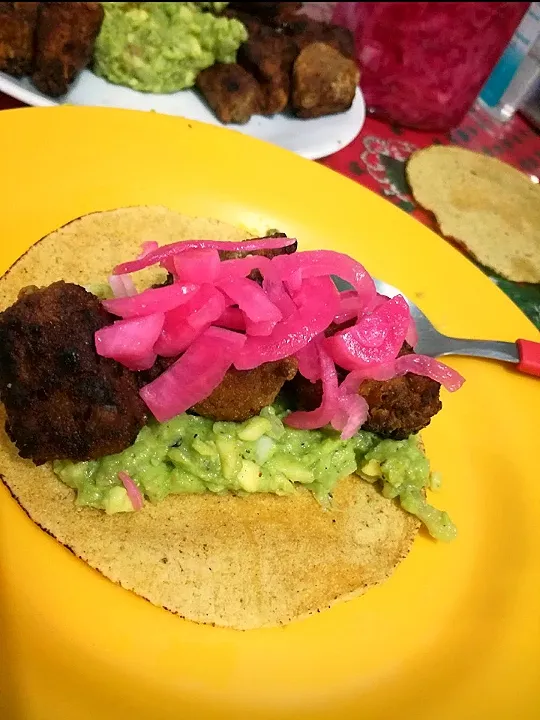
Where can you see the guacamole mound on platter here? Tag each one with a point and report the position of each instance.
(192, 454)
(161, 47)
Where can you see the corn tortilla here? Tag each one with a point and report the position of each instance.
(240, 562)
(488, 207)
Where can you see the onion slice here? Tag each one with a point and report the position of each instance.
(151, 301)
(241, 267)
(317, 263)
(312, 419)
(122, 285)
(131, 342)
(449, 378)
(132, 490)
(195, 375)
(186, 322)
(375, 339)
(165, 252)
(197, 266)
(318, 305)
(251, 299)
(232, 318)
(308, 362)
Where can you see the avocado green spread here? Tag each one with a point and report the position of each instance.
(192, 454)
(160, 47)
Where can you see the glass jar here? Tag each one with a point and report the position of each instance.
(424, 63)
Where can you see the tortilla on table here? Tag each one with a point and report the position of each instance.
(488, 207)
(240, 562)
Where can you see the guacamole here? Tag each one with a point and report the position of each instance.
(192, 454)
(161, 47)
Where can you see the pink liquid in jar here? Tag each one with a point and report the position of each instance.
(424, 63)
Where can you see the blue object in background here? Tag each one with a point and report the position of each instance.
(492, 93)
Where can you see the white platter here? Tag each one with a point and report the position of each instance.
(312, 139)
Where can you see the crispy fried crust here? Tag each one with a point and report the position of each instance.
(269, 56)
(324, 82)
(65, 41)
(62, 399)
(244, 393)
(17, 26)
(231, 91)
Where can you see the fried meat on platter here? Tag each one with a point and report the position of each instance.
(17, 27)
(324, 81)
(65, 37)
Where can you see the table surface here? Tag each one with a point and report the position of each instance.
(377, 158)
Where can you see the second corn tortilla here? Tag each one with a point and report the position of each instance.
(240, 562)
(488, 207)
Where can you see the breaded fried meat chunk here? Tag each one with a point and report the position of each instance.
(17, 27)
(324, 82)
(65, 40)
(64, 401)
(242, 394)
(232, 92)
(398, 407)
(269, 56)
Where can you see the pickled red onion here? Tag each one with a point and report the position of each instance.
(131, 342)
(231, 318)
(134, 494)
(206, 307)
(195, 375)
(312, 419)
(308, 362)
(186, 322)
(251, 299)
(241, 267)
(151, 301)
(197, 266)
(263, 328)
(295, 331)
(167, 251)
(122, 285)
(449, 378)
(376, 338)
(285, 316)
(317, 263)
(352, 413)
(349, 307)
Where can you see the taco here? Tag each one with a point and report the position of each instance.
(214, 427)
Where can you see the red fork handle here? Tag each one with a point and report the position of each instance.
(529, 357)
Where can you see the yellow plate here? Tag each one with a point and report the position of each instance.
(454, 634)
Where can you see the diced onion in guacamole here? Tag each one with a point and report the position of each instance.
(192, 454)
(161, 47)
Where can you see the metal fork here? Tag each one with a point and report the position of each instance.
(525, 354)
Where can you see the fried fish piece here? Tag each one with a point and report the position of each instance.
(324, 82)
(17, 27)
(231, 91)
(242, 394)
(64, 401)
(66, 34)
